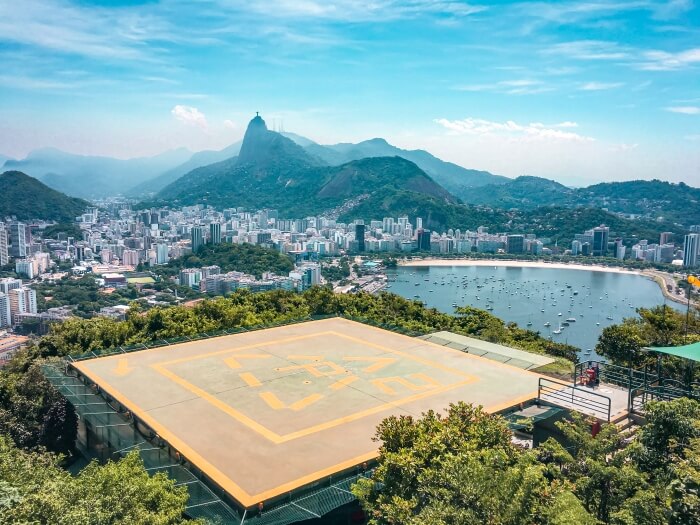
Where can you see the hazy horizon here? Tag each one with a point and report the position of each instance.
(580, 92)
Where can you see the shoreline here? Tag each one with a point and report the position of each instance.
(655, 275)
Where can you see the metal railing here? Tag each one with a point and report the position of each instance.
(621, 376)
(570, 396)
(665, 390)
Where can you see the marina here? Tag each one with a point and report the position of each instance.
(568, 306)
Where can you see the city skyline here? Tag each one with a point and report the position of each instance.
(576, 91)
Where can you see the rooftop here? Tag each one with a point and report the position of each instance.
(267, 412)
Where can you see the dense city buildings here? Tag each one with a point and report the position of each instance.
(4, 253)
(691, 247)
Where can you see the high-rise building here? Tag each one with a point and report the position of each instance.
(5, 312)
(515, 244)
(4, 254)
(691, 245)
(9, 283)
(18, 238)
(423, 238)
(600, 241)
(215, 233)
(197, 238)
(419, 223)
(161, 253)
(665, 237)
(130, 257)
(22, 301)
(24, 268)
(360, 237)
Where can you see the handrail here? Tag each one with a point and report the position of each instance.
(568, 397)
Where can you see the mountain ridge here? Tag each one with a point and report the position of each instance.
(652, 198)
(28, 198)
(273, 171)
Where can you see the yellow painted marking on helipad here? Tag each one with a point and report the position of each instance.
(275, 403)
(338, 385)
(382, 383)
(233, 361)
(315, 368)
(379, 362)
(250, 379)
(303, 403)
(122, 367)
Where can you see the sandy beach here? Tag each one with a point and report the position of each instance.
(660, 278)
(517, 264)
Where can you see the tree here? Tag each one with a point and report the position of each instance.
(622, 343)
(33, 489)
(461, 468)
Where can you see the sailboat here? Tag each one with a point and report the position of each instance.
(558, 330)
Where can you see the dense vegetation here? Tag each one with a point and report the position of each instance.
(463, 468)
(35, 489)
(27, 198)
(83, 293)
(659, 326)
(336, 272)
(247, 258)
(70, 229)
(244, 309)
(654, 199)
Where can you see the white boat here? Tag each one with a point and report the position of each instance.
(571, 320)
(548, 323)
(557, 331)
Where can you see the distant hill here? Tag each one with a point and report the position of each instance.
(273, 171)
(653, 199)
(456, 179)
(199, 159)
(92, 176)
(27, 198)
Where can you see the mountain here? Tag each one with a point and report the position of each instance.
(454, 178)
(27, 198)
(92, 176)
(653, 199)
(273, 171)
(199, 159)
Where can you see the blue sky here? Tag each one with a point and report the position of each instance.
(578, 91)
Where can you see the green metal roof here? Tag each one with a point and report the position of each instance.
(691, 351)
(495, 352)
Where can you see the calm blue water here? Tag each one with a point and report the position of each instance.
(534, 295)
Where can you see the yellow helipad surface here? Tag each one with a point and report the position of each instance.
(265, 412)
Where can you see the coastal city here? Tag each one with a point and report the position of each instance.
(346, 262)
(119, 246)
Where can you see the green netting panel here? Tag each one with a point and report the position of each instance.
(180, 474)
(215, 513)
(154, 457)
(325, 501)
(282, 515)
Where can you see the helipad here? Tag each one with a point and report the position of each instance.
(266, 412)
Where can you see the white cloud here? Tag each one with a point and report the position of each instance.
(685, 110)
(189, 115)
(354, 10)
(599, 86)
(664, 61)
(567, 124)
(532, 131)
(521, 86)
(230, 124)
(588, 50)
